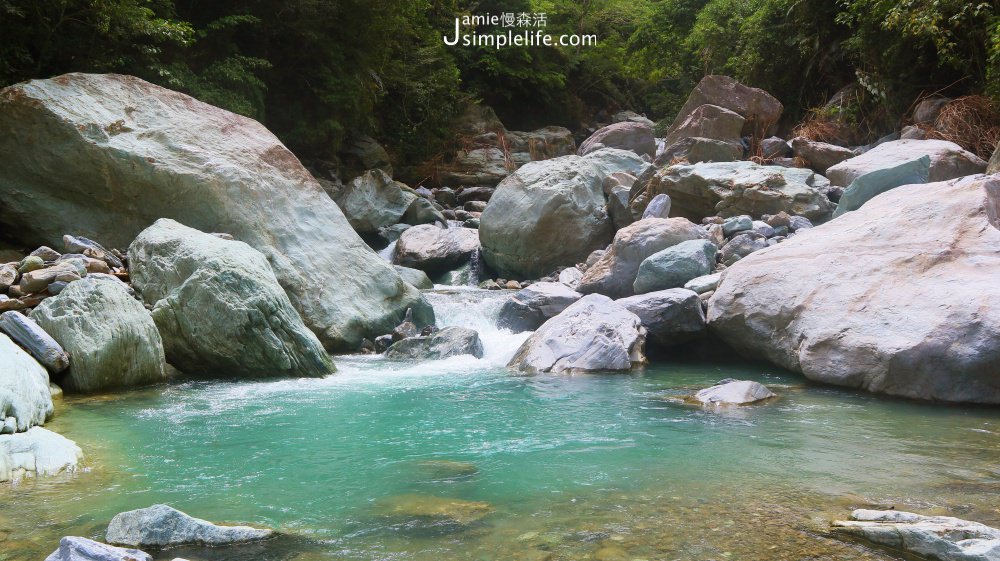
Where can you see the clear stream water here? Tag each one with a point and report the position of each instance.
(605, 467)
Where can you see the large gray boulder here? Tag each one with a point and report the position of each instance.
(870, 301)
(595, 333)
(163, 526)
(671, 317)
(24, 388)
(709, 121)
(373, 200)
(532, 306)
(433, 249)
(546, 214)
(444, 343)
(675, 266)
(219, 307)
(110, 336)
(943, 538)
(613, 275)
(73, 548)
(627, 135)
(27, 333)
(948, 160)
(693, 150)
(759, 108)
(78, 141)
(735, 188)
(37, 453)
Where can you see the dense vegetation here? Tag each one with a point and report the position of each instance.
(315, 70)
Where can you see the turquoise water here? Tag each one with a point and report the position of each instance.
(582, 467)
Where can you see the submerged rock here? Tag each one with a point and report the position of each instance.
(444, 343)
(935, 537)
(437, 470)
(73, 548)
(870, 301)
(595, 333)
(531, 307)
(24, 388)
(219, 307)
(433, 510)
(37, 453)
(737, 392)
(163, 526)
(77, 141)
(111, 336)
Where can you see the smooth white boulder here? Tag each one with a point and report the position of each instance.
(899, 296)
(73, 548)
(595, 333)
(37, 453)
(736, 392)
(24, 387)
(943, 538)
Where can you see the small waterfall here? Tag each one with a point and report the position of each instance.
(386, 253)
(477, 309)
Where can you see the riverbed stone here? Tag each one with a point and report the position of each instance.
(994, 164)
(741, 245)
(736, 224)
(36, 340)
(110, 336)
(736, 392)
(704, 284)
(760, 109)
(947, 161)
(571, 277)
(73, 548)
(711, 122)
(692, 150)
(627, 135)
(876, 182)
(79, 140)
(416, 277)
(735, 188)
(910, 311)
(532, 306)
(162, 526)
(545, 215)
(219, 308)
(373, 200)
(443, 343)
(614, 274)
(819, 156)
(671, 317)
(431, 248)
(24, 387)
(593, 334)
(658, 207)
(675, 266)
(37, 452)
(943, 538)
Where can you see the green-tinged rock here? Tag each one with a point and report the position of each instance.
(109, 336)
(867, 186)
(675, 266)
(437, 470)
(415, 277)
(994, 164)
(219, 307)
(30, 263)
(106, 155)
(434, 510)
(373, 200)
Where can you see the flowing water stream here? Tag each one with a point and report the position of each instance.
(605, 467)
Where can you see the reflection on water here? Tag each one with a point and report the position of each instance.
(604, 467)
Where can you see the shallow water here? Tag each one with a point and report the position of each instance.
(600, 467)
